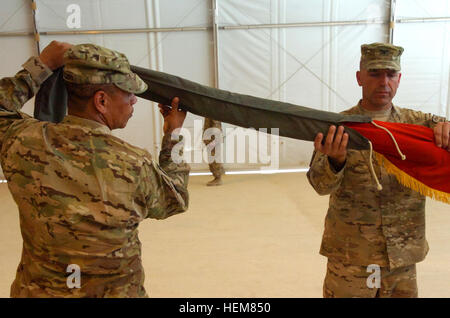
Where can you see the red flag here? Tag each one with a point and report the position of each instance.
(426, 168)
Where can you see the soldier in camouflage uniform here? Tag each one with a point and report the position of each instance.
(81, 191)
(216, 168)
(363, 225)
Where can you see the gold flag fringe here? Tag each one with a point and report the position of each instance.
(410, 182)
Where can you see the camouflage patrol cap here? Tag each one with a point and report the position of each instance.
(381, 56)
(93, 64)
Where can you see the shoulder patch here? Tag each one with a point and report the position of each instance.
(436, 119)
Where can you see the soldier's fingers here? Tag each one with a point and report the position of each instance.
(344, 142)
(164, 109)
(318, 142)
(438, 135)
(330, 137)
(175, 102)
(338, 139)
(445, 135)
(161, 106)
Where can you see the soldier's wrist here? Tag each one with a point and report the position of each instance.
(336, 165)
(38, 70)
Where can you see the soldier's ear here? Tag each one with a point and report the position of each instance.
(358, 77)
(100, 101)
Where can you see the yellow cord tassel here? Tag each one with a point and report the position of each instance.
(410, 182)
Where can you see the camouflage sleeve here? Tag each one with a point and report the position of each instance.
(423, 119)
(16, 91)
(322, 175)
(168, 194)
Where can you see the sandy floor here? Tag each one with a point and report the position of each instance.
(255, 236)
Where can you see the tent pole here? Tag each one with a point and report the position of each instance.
(392, 21)
(229, 27)
(35, 28)
(215, 17)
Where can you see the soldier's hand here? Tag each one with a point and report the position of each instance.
(335, 147)
(173, 116)
(53, 54)
(442, 135)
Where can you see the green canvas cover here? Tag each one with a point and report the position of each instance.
(247, 111)
(241, 110)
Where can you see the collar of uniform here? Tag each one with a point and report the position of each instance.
(92, 124)
(394, 109)
(396, 112)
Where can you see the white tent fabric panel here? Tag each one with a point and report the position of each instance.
(425, 69)
(426, 60)
(52, 15)
(422, 8)
(234, 12)
(310, 66)
(15, 16)
(184, 13)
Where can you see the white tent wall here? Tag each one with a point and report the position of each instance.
(426, 60)
(309, 65)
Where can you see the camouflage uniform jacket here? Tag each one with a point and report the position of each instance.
(366, 226)
(81, 194)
